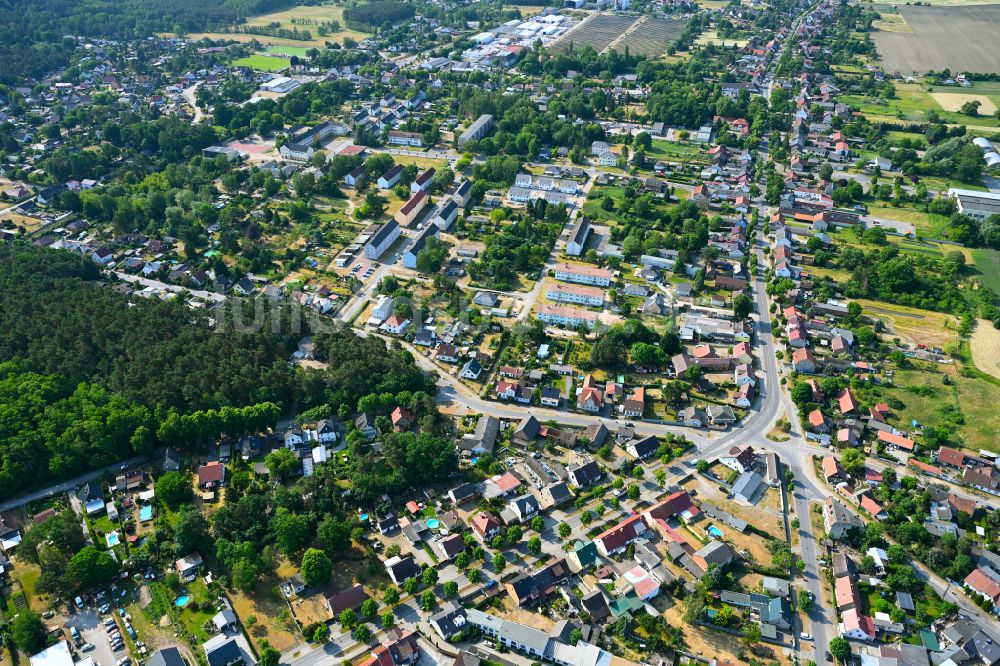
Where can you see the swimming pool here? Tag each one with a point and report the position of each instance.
(364, 517)
(433, 523)
(146, 513)
(112, 539)
(182, 601)
(714, 531)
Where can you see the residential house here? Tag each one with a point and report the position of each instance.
(584, 474)
(615, 539)
(640, 449)
(211, 475)
(534, 586)
(740, 458)
(838, 519)
(401, 569)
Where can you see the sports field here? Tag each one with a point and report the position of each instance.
(962, 38)
(263, 63)
(288, 51)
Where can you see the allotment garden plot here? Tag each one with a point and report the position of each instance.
(961, 38)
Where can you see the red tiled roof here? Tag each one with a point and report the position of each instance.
(982, 583)
(950, 456)
(831, 467)
(671, 506)
(848, 403)
(484, 522)
(869, 504)
(620, 534)
(896, 440)
(963, 504)
(213, 472)
(847, 592)
(508, 482)
(924, 467)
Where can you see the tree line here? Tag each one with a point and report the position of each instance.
(376, 14)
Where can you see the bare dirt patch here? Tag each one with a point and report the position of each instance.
(934, 329)
(950, 101)
(891, 23)
(985, 345)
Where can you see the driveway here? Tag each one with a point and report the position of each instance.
(91, 627)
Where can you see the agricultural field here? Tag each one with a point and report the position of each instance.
(596, 31)
(263, 63)
(653, 36)
(712, 37)
(303, 17)
(528, 11)
(962, 38)
(953, 101)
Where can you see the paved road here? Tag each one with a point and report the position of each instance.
(13, 208)
(177, 289)
(70, 484)
(192, 100)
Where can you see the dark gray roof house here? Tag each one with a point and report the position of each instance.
(585, 474)
(449, 620)
(528, 429)
(596, 605)
(170, 656)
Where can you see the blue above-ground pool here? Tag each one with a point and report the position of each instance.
(364, 517)
(433, 523)
(714, 531)
(146, 513)
(182, 601)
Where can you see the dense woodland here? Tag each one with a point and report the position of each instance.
(148, 351)
(375, 14)
(92, 375)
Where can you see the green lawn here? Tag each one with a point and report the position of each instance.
(988, 263)
(897, 136)
(263, 63)
(592, 209)
(975, 398)
(926, 224)
(670, 151)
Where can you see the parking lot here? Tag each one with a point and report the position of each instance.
(90, 624)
